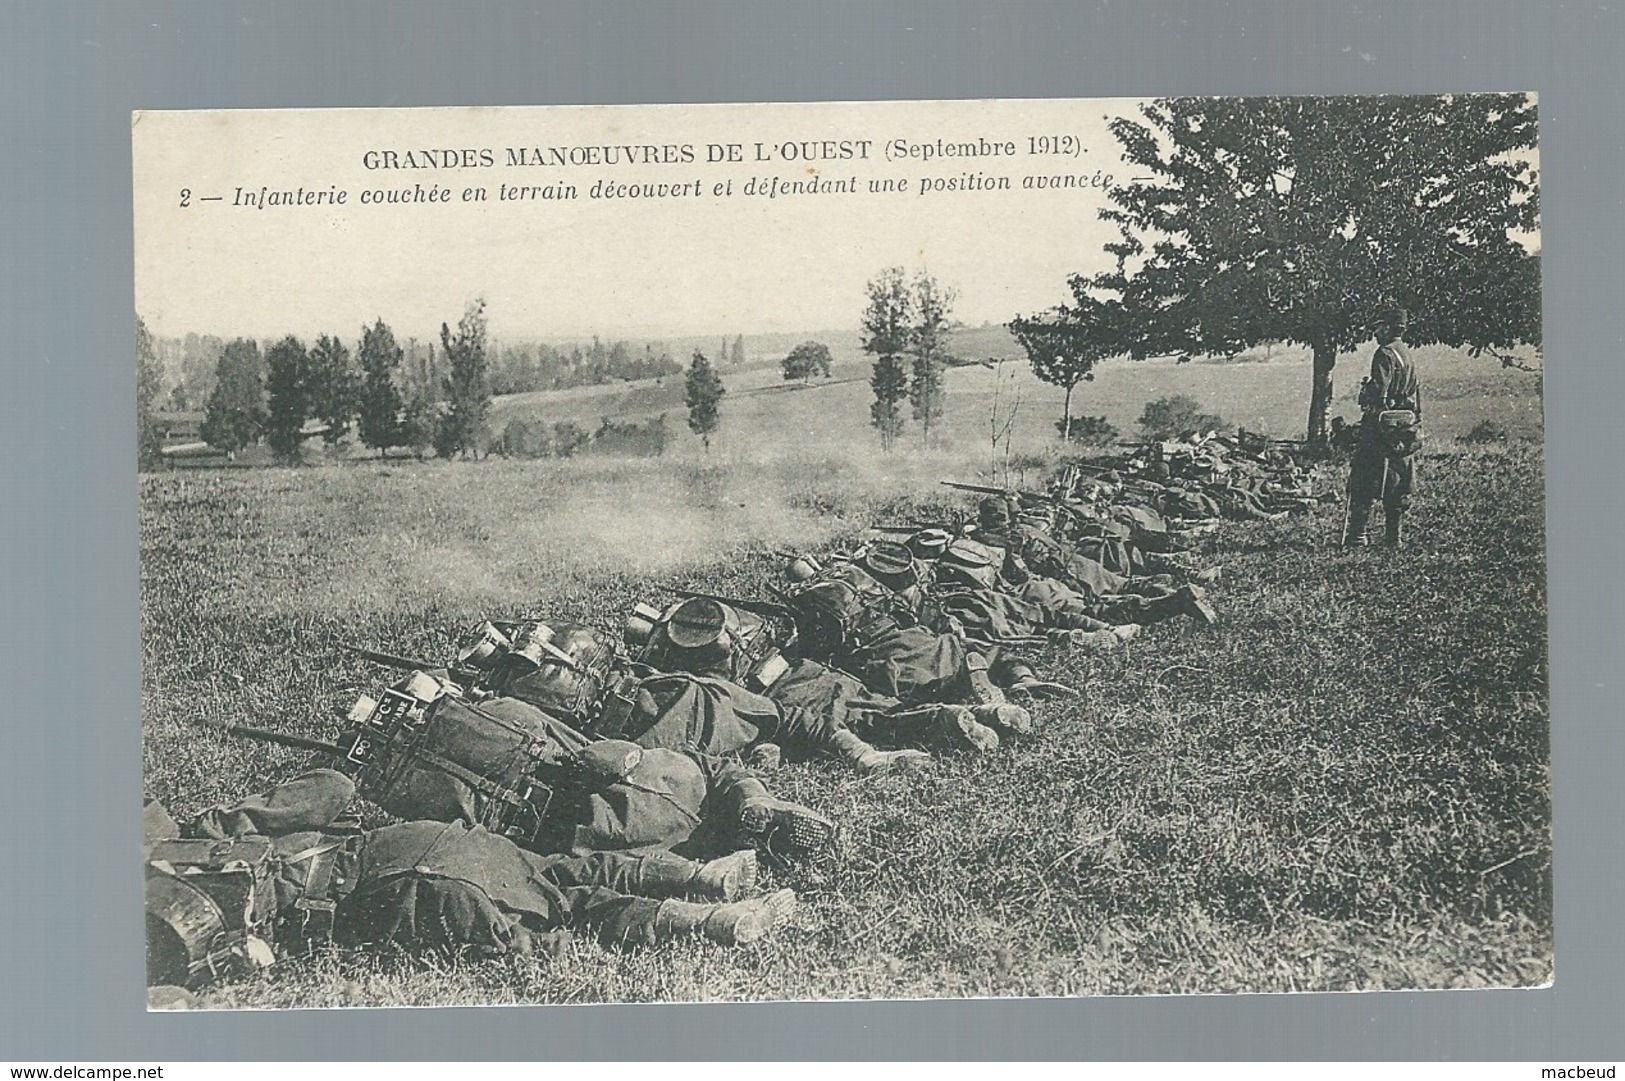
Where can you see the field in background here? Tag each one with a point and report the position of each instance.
(1342, 786)
(763, 415)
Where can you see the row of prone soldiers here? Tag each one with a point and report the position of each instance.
(555, 779)
(1197, 476)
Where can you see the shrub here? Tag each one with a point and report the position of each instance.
(1089, 431)
(569, 437)
(522, 439)
(1486, 431)
(1176, 415)
(645, 440)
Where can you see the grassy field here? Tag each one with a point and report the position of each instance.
(1341, 786)
(1262, 393)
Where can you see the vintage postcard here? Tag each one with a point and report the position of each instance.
(842, 550)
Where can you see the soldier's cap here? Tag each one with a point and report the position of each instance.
(992, 509)
(930, 543)
(964, 554)
(698, 621)
(888, 558)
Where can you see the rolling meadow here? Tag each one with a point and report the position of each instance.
(1341, 786)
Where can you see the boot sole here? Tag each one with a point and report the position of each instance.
(964, 732)
(1017, 722)
(898, 762)
(793, 835)
(740, 878)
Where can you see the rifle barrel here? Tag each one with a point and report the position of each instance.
(985, 489)
(283, 739)
(761, 608)
(389, 660)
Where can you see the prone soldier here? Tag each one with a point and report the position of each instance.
(225, 906)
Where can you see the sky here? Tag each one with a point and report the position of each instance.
(693, 263)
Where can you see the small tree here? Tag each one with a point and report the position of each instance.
(807, 360)
(235, 413)
(1063, 346)
(737, 357)
(334, 388)
(1177, 415)
(1003, 413)
(468, 396)
(419, 424)
(287, 385)
(931, 306)
(380, 402)
(887, 335)
(149, 384)
(703, 391)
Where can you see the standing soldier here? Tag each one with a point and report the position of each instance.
(1391, 415)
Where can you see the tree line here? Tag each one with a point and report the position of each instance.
(289, 392)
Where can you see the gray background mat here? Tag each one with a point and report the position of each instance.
(70, 921)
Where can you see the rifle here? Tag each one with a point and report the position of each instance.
(901, 528)
(984, 489)
(760, 608)
(988, 489)
(389, 660)
(281, 739)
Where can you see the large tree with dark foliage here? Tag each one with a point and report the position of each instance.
(887, 325)
(468, 394)
(334, 388)
(807, 360)
(932, 306)
(1255, 220)
(287, 387)
(380, 401)
(234, 416)
(149, 383)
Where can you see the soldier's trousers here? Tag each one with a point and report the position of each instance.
(1374, 475)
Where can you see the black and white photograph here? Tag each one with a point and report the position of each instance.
(844, 550)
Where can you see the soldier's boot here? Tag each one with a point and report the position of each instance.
(736, 923)
(1354, 526)
(983, 691)
(1181, 567)
(662, 874)
(1393, 528)
(868, 759)
(1020, 681)
(764, 756)
(1187, 600)
(1196, 604)
(1093, 641)
(1006, 717)
(727, 878)
(939, 727)
(787, 833)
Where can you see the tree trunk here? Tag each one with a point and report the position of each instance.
(1320, 393)
(1066, 416)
